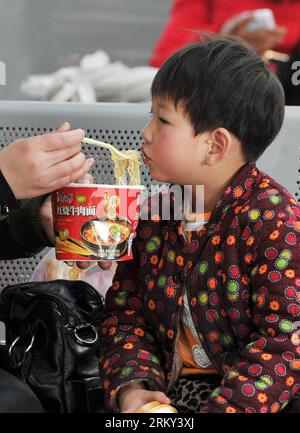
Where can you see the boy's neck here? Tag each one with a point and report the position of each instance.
(215, 187)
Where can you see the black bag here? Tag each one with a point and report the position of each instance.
(52, 331)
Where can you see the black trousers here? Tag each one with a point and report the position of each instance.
(16, 396)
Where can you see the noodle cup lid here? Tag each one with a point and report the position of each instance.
(148, 406)
(100, 185)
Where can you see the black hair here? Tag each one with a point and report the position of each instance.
(222, 82)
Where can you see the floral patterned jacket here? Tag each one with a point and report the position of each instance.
(241, 272)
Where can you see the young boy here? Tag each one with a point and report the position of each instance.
(213, 309)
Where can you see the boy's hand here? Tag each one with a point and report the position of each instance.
(133, 397)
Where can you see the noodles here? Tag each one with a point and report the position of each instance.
(130, 166)
(123, 166)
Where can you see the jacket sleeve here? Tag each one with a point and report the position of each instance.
(21, 234)
(7, 198)
(129, 352)
(266, 372)
(187, 18)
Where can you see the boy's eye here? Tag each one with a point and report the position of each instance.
(162, 120)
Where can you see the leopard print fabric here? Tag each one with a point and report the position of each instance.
(190, 393)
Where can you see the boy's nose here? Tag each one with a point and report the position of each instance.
(146, 133)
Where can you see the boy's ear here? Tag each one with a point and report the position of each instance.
(219, 143)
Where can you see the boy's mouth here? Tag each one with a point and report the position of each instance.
(145, 158)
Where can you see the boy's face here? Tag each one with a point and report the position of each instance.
(171, 149)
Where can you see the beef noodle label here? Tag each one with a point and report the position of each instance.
(76, 210)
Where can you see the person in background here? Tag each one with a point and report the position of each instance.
(189, 18)
(205, 317)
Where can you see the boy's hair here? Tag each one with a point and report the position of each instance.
(222, 82)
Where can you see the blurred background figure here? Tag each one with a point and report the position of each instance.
(275, 37)
(87, 42)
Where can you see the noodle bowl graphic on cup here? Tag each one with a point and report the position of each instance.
(105, 238)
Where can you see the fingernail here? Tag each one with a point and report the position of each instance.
(87, 178)
(90, 161)
(65, 125)
(81, 157)
(76, 133)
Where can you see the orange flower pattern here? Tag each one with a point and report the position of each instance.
(242, 278)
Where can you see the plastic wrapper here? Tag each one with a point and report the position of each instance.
(51, 269)
(96, 78)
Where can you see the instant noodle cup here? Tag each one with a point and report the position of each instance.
(156, 407)
(95, 222)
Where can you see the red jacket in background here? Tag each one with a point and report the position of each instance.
(188, 17)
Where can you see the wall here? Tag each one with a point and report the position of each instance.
(41, 36)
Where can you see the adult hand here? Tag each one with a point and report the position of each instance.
(46, 215)
(46, 218)
(133, 397)
(107, 264)
(34, 166)
(261, 40)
